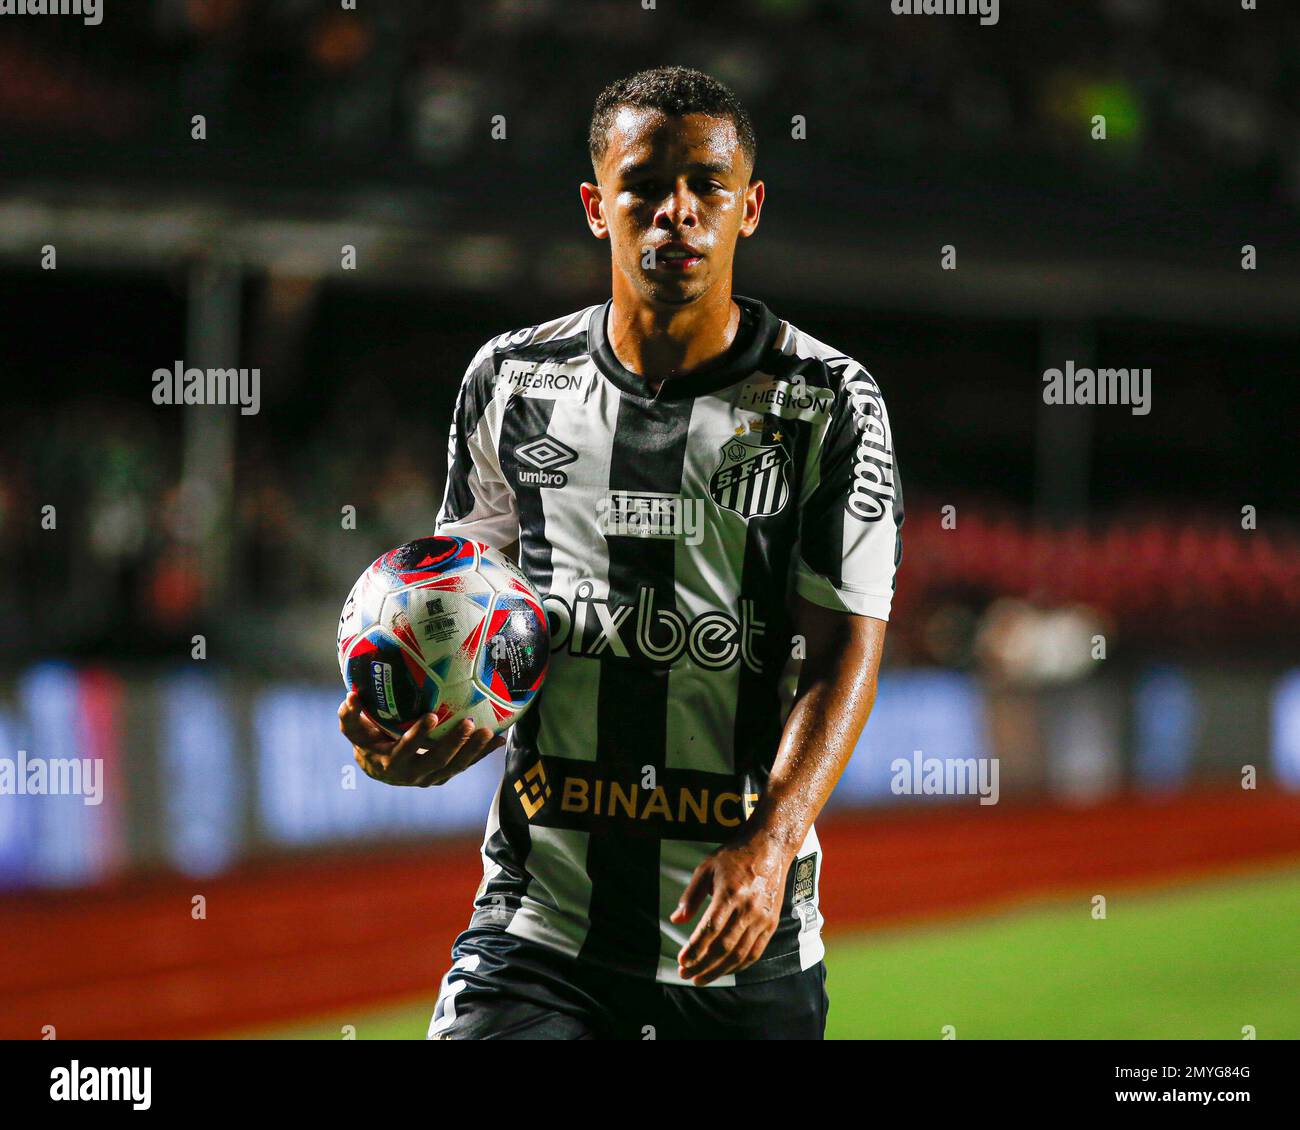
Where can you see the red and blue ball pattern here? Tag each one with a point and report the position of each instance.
(443, 626)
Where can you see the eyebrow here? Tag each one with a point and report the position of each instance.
(717, 167)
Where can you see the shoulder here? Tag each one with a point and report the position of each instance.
(819, 364)
(856, 448)
(804, 377)
(558, 339)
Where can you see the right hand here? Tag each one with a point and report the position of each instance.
(413, 759)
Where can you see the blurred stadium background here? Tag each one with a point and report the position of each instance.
(1120, 777)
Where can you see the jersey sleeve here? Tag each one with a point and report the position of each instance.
(850, 539)
(478, 503)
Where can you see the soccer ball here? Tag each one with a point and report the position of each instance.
(443, 626)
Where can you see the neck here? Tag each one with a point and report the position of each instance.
(663, 342)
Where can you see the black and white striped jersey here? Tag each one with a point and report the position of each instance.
(667, 535)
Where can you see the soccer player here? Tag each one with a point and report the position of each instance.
(707, 500)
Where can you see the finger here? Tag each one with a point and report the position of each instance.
(481, 743)
(700, 885)
(357, 725)
(734, 959)
(445, 752)
(716, 919)
(357, 728)
(351, 702)
(757, 946)
(474, 750)
(755, 943)
(727, 953)
(372, 765)
(720, 952)
(443, 749)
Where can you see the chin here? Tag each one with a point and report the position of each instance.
(673, 295)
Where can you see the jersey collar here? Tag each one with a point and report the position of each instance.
(758, 326)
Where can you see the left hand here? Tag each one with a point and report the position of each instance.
(747, 883)
(414, 758)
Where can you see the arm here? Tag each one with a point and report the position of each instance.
(851, 511)
(746, 878)
(837, 688)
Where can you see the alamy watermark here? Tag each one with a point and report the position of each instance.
(1078, 385)
(987, 10)
(644, 514)
(90, 11)
(58, 776)
(78, 1083)
(179, 385)
(945, 776)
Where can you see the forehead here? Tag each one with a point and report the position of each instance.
(640, 137)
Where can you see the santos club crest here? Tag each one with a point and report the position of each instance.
(750, 479)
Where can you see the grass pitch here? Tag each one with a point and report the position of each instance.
(1190, 962)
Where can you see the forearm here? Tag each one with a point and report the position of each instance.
(745, 879)
(837, 689)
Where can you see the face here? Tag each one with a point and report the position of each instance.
(681, 186)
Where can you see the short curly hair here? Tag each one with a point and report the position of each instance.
(671, 90)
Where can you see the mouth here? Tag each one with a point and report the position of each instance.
(678, 257)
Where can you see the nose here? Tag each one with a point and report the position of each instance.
(678, 211)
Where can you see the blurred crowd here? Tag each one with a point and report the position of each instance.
(1195, 92)
(120, 566)
(104, 549)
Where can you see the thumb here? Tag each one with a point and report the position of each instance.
(696, 890)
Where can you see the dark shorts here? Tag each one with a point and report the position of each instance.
(505, 988)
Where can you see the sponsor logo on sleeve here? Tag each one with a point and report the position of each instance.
(544, 380)
(513, 339)
(871, 496)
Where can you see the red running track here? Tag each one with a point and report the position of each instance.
(289, 941)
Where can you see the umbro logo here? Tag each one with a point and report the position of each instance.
(540, 459)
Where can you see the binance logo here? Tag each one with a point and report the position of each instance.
(533, 790)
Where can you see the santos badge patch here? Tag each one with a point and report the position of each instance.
(750, 479)
(805, 878)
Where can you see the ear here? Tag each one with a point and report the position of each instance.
(593, 210)
(753, 208)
